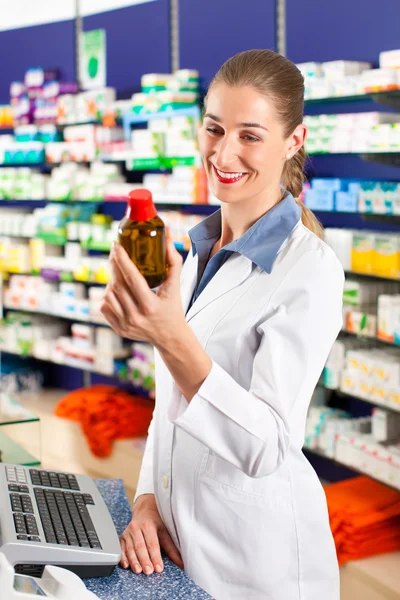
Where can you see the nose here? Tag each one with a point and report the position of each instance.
(226, 152)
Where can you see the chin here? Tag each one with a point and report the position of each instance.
(227, 197)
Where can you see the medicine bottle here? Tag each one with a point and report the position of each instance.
(142, 233)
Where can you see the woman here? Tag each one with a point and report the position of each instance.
(241, 337)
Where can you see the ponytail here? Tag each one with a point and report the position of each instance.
(292, 180)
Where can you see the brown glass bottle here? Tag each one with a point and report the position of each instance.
(142, 234)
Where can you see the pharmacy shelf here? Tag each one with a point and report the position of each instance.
(24, 203)
(340, 392)
(318, 452)
(369, 338)
(79, 368)
(389, 98)
(358, 274)
(56, 316)
(385, 216)
(189, 208)
(391, 158)
(57, 276)
(131, 118)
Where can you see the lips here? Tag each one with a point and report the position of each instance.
(228, 178)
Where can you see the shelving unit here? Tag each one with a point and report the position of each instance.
(357, 221)
(347, 466)
(80, 368)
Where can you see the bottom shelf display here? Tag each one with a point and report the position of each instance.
(373, 474)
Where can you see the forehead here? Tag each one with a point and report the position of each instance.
(240, 104)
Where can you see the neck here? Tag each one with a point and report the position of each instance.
(238, 217)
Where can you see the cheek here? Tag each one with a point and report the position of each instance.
(205, 143)
(267, 155)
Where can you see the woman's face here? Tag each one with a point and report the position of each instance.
(242, 143)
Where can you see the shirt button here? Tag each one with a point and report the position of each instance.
(165, 481)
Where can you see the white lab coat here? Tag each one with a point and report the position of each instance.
(232, 485)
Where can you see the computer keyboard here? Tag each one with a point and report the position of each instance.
(49, 517)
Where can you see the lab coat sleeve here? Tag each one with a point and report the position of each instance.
(252, 428)
(146, 483)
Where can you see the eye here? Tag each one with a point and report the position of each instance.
(213, 130)
(250, 138)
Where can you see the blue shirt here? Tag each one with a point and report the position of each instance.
(260, 243)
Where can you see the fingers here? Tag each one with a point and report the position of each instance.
(134, 280)
(113, 303)
(128, 555)
(169, 547)
(124, 561)
(153, 546)
(142, 552)
(121, 296)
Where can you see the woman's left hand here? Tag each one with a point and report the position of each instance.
(133, 310)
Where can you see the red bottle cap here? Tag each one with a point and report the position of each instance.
(140, 206)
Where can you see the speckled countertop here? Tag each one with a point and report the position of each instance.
(123, 584)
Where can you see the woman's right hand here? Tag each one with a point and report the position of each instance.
(144, 537)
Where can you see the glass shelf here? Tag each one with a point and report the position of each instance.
(13, 453)
(389, 98)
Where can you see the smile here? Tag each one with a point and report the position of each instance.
(225, 177)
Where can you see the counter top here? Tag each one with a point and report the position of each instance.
(123, 584)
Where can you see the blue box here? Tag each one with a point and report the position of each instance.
(320, 199)
(334, 184)
(346, 202)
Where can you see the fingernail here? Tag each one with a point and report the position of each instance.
(159, 568)
(125, 564)
(137, 568)
(148, 570)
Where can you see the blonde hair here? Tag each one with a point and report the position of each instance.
(278, 78)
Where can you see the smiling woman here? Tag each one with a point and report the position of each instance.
(241, 337)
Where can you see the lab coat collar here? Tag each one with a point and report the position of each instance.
(262, 241)
(231, 274)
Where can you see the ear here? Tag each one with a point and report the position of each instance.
(296, 141)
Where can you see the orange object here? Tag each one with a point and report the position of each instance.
(106, 413)
(364, 517)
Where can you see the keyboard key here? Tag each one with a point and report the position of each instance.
(22, 537)
(27, 504)
(31, 525)
(13, 487)
(84, 544)
(16, 502)
(34, 538)
(88, 499)
(73, 482)
(63, 542)
(64, 481)
(24, 489)
(55, 482)
(95, 544)
(45, 479)
(19, 522)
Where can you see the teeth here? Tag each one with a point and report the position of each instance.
(229, 175)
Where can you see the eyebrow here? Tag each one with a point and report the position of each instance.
(218, 120)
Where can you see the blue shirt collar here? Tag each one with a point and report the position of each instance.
(261, 242)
